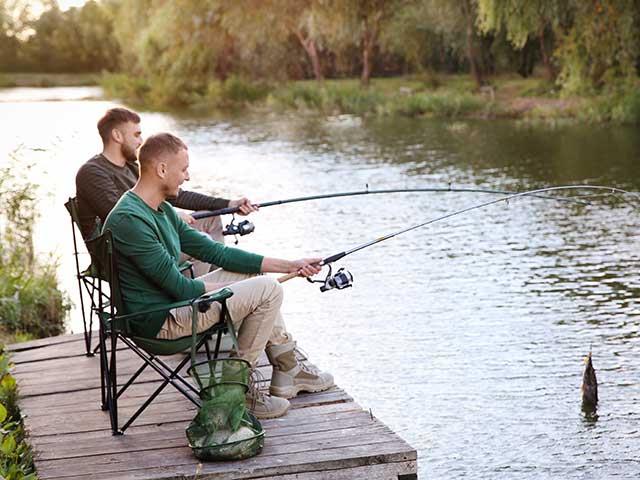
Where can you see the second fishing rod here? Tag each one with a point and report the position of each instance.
(344, 279)
(246, 227)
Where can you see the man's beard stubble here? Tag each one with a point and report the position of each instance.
(128, 153)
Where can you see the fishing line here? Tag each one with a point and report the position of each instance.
(344, 279)
(246, 226)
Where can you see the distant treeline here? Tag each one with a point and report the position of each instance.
(584, 45)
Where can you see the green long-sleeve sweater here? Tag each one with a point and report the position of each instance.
(148, 243)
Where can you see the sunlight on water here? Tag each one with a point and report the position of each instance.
(467, 336)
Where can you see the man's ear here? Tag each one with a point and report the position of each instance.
(116, 135)
(161, 169)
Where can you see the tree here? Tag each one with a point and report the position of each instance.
(279, 21)
(522, 20)
(363, 23)
(600, 46)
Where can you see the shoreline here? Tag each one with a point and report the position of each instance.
(414, 96)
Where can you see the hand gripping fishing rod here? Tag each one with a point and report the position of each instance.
(246, 227)
(344, 279)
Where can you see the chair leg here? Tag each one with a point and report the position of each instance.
(87, 331)
(169, 378)
(104, 380)
(113, 407)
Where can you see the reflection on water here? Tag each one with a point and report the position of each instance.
(467, 336)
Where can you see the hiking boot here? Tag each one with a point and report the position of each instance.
(290, 376)
(263, 405)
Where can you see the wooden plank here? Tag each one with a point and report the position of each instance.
(270, 461)
(88, 400)
(387, 471)
(44, 342)
(173, 429)
(176, 411)
(177, 438)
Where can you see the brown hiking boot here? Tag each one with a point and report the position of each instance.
(263, 405)
(290, 376)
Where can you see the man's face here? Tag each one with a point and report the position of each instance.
(131, 139)
(176, 167)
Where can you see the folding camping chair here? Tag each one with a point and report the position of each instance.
(87, 278)
(115, 326)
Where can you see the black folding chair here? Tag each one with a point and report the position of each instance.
(87, 280)
(115, 326)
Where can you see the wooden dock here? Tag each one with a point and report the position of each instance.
(324, 435)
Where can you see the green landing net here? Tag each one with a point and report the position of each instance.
(224, 429)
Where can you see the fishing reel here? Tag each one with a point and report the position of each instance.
(341, 280)
(243, 228)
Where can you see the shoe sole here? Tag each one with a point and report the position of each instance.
(290, 392)
(267, 416)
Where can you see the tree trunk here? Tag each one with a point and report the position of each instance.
(546, 61)
(472, 55)
(366, 59)
(224, 65)
(309, 46)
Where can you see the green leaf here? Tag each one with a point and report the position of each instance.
(8, 445)
(8, 382)
(3, 413)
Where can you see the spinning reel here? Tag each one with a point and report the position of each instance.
(341, 280)
(243, 228)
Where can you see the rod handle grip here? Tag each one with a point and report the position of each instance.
(287, 277)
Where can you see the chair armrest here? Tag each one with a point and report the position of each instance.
(208, 298)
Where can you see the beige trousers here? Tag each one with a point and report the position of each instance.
(254, 309)
(212, 226)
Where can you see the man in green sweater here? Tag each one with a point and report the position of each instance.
(102, 180)
(149, 236)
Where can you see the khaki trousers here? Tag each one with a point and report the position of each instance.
(212, 226)
(254, 309)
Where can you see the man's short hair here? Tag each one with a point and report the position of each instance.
(157, 145)
(114, 117)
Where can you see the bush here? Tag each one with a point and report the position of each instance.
(353, 99)
(300, 95)
(16, 457)
(446, 105)
(30, 300)
(134, 90)
(619, 106)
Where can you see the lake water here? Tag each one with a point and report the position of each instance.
(467, 336)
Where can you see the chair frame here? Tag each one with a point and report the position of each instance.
(87, 283)
(113, 327)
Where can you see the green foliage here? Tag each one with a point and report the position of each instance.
(236, 90)
(77, 40)
(118, 85)
(30, 300)
(622, 106)
(448, 105)
(601, 46)
(16, 457)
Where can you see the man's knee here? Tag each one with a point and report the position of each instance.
(270, 288)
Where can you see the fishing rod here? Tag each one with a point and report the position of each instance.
(344, 279)
(246, 227)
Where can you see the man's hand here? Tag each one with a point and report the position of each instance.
(306, 267)
(244, 204)
(186, 218)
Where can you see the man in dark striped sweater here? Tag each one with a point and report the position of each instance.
(103, 179)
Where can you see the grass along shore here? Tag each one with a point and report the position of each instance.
(11, 80)
(428, 94)
(442, 96)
